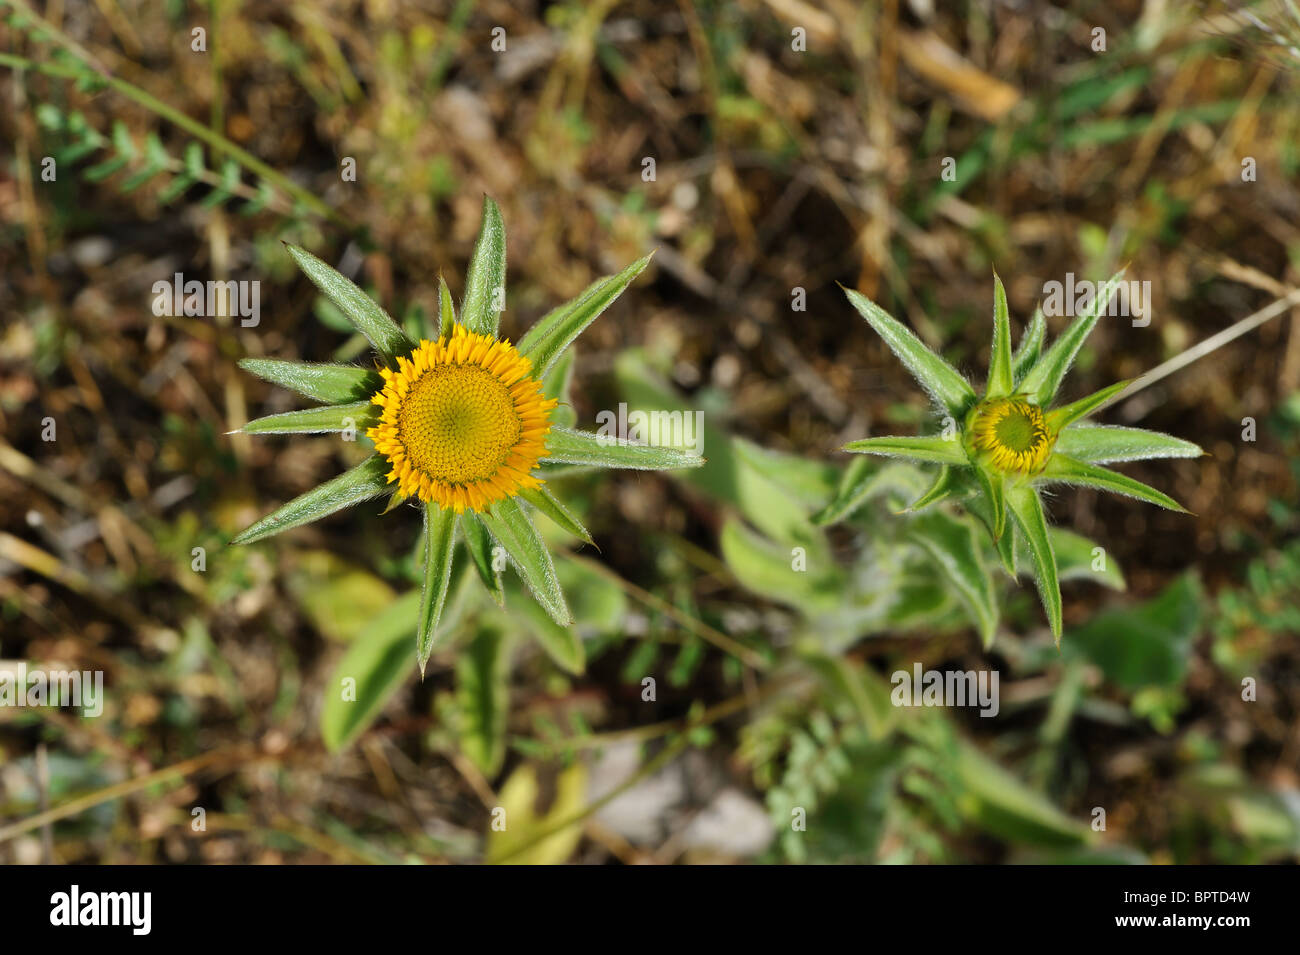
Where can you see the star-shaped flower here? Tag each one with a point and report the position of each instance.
(463, 424)
(998, 449)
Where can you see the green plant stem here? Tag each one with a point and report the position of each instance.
(213, 139)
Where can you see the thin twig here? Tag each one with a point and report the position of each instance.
(43, 789)
(1211, 344)
(233, 756)
(697, 627)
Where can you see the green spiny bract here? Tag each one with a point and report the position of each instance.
(998, 449)
(348, 397)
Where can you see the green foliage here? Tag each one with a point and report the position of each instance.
(143, 162)
(867, 775)
(353, 416)
(375, 665)
(483, 699)
(485, 283)
(1147, 645)
(948, 388)
(439, 542)
(556, 330)
(1008, 442)
(330, 384)
(365, 481)
(505, 522)
(897, 790)
(514, 530)
(359, 308)
(1247, 619)
(532, 837)
(565, 446)
(337, 596)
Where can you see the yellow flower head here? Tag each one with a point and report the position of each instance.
(464, 422)
(1011, 434)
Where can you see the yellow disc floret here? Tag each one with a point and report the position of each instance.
(464, 422)
(1010, 434)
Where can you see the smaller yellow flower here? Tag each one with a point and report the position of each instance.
(464, 422)
(1011, 434)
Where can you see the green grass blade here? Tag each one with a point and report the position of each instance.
(561, 644)
(439, 543)
(478, 542)
(1103, 444)
(1001, 380)
(1006, 547)
(546, 502)
(556, 384)
(1044, 378)
(358, 415)
(514, 531)
(446, 309)
(358, 307)
(1076, 560)
(555, 331)
(763, 566)
(1065, 470)
(567, 446)
(944, 486)
(861, 480)
(999, 802)
(933, 448)
(485, 283)
(954, 549)
(365, 481)
(1066, 415)
(482, 699)
(377, 662)
(994, 488)
(1027, 508)
(935, 375)
(331, 384)
(1005, 543)
(1031, 345)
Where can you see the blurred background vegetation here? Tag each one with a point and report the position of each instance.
(795, 145)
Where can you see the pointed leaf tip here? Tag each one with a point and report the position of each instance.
(359, 308)
(1042, 381)
(1027, 508)
(514, 530)
(1066, 470)
(547, 340)
(327, 383)
(485, 280)
(1001, 378)
(940, 380)
(932, 448)
(1104, 444)
(439, 541)
(366, 480)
